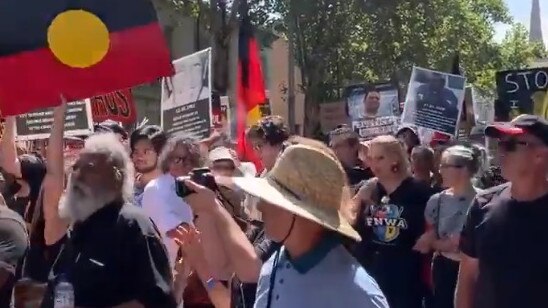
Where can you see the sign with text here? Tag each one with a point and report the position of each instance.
(117, 106)
(186, 97)
(521, 92)
(37, 124)
(434, 100)
(192, 119)
(368, 129)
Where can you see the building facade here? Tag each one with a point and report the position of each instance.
(185, 37)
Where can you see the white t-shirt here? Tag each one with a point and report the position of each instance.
(167, 210)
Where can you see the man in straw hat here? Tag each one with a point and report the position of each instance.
(301, 201)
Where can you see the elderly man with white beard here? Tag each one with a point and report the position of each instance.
(112, 255)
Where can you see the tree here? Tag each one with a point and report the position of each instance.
(514, 52)
(338, 42)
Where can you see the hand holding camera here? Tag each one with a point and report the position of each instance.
(198, 190)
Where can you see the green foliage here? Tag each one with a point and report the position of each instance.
(338, 42)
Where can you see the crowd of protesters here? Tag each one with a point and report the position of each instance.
(391, 222)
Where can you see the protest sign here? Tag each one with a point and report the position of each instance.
(220, 111)
(434, 100)
(368, 129)
(186, 97)
(521, 92)
(37, 124)
(370, 101)
(117, 106)
(484, 109)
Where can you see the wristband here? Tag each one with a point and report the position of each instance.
(210, 283)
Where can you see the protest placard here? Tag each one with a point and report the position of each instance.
(37, 124)
(521, 92)
(372, 100)
(117, 106)
(186, 97)
(434, 100)
(368, 129)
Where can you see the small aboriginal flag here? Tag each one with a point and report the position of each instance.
(76, 48)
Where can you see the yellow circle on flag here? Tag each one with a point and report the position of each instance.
(78, 38)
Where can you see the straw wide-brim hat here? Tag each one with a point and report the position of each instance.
(307, 182)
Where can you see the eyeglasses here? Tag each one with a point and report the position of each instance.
(179, 159)
(512, 145)
(223, 167)
(258, 146)
(446, 166)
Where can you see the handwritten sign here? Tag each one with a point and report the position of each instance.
(521, 92)
(117, 106)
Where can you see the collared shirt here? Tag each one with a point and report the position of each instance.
(327, 276)
(167, 210)
(115, 256)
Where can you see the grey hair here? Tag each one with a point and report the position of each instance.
(191, 146)
(108, 144)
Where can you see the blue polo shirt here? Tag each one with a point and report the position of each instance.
(327, 276)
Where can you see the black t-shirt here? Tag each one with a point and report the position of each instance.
(13, 244)
(113, 257)
(510, 239)
(356, 175)
(389, 230)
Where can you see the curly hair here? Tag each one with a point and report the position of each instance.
(272, 129)
(189, 144)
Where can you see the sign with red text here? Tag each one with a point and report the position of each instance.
(117, 106)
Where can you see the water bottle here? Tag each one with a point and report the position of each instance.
(63, 294)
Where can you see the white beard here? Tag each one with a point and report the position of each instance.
(80, 201)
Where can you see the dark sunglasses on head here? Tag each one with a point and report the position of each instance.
(511, 145)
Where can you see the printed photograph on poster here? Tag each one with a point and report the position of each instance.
(369, 101)
(186, 97)
(434, 100)
(521, 92)
(36, 125)
(219, 111)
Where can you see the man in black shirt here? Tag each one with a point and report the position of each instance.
(345, 143)
(505, 240)
(112, 254)
(13, 244)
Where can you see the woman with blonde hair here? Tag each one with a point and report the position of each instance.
(390, 220)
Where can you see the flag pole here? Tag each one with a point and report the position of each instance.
(291, 73)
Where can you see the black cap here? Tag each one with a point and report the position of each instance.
(523, 124)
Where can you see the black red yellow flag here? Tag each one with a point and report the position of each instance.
(76, 48)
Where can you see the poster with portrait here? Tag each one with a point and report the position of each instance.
(186, 97)
(521, 92)
(373, 109)
(368, 101)
(434, 100)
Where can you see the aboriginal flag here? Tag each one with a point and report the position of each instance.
(76, 48)
(251, 90)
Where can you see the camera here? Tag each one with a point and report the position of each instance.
(200, 176)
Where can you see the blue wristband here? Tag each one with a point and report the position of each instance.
(210, 283)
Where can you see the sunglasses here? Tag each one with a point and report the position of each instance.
(446, 166)
(512, 145)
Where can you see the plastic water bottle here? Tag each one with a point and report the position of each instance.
(64, 294)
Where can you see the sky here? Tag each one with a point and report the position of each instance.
(520, 10)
